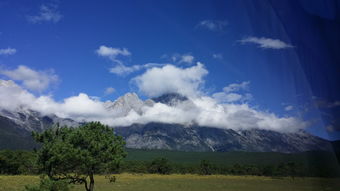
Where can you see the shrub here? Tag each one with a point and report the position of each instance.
(160, 166)
(206, 168)
(46, 184)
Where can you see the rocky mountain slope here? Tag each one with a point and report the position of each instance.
(196, 138)
(15, 128)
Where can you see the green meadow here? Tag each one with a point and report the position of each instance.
(153, 182)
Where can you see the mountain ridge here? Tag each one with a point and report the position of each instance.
(177, 137)
(156, 135)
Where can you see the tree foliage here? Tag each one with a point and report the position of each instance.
(47, 184)
(23, 162)
(160, 166)
(76, 154)
(206, 168)
(17, 162)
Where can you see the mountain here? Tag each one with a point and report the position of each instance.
(33, 121)
(123, 105)
(197, 138)
(336, 148)
(170, 99)
(16, 127)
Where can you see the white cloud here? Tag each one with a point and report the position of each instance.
(182, 58)
(116, 55)
(205, 111)
(241, 116)
(289, 107)
(122, 70)
(109, 90)
(8, 51)
(187, 58)
(266, 43)
(213, 25)
(226, 110)
(47, 13)
(81, 107)
(201, 110)
(236, 87)
(31, 79)
(12, 96)
(223, 97)
(231, 93)
(172, 79)
(217, 56)
(112, 53)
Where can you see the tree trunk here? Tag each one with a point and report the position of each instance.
(91, 183)
(86, 188)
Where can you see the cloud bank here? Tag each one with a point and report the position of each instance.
(203, 111)
(199, 109)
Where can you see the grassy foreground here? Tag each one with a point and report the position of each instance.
(150, 182)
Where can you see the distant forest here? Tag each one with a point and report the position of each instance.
(307, 164)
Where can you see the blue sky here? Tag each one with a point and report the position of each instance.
(237, 41)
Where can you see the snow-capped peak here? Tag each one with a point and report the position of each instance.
(124, 104)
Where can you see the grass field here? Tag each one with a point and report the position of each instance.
(150, 182)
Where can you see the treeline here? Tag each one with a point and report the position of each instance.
(24, 162)
(292, 169)
(18, 162)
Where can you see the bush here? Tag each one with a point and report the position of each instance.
(134, 167)
(206, 168)
(160, 166)
(46, 184)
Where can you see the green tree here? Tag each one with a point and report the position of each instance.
(160, 166)
(295, 169)
(268, 170)
(17, 162)
(206, 167)
(76, 154)
(238, 169)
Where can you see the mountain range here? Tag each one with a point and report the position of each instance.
(16, 127)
